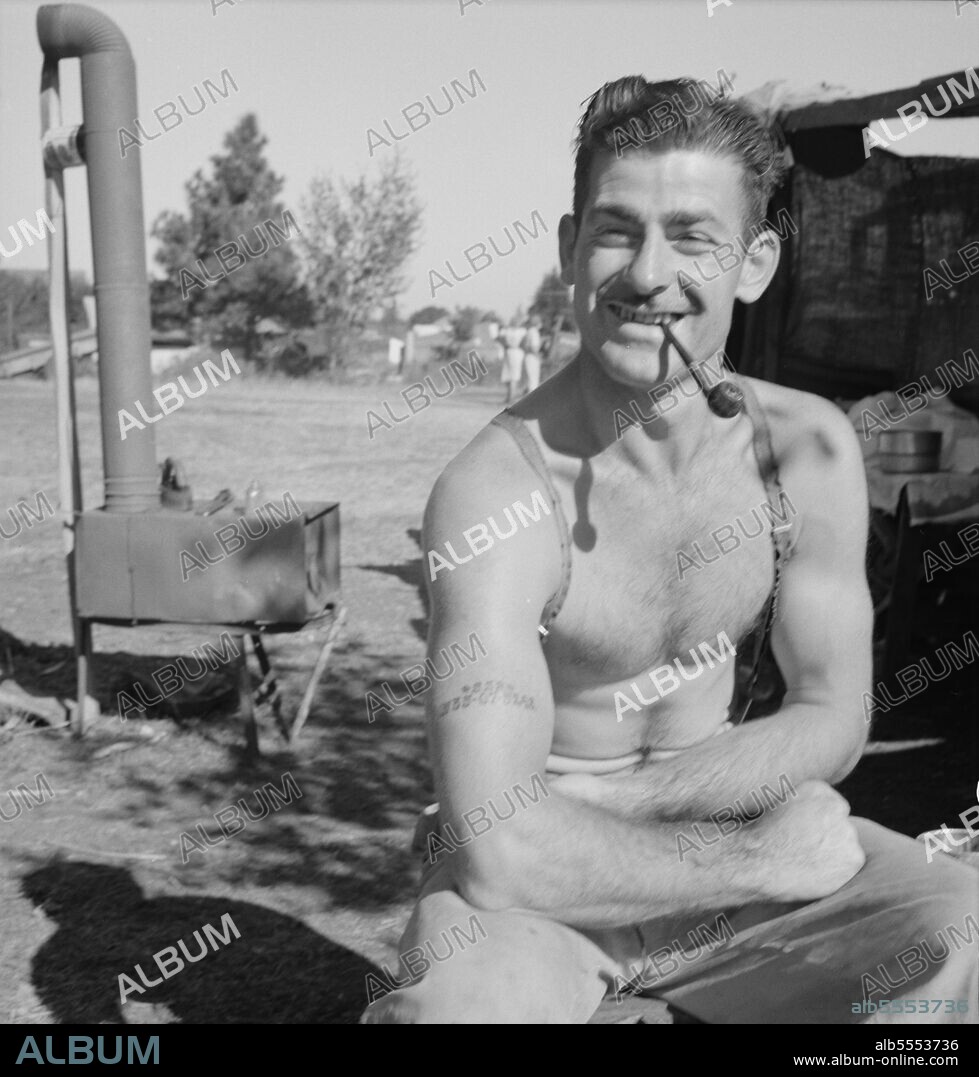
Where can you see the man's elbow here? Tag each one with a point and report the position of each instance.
(496, 872)
(855, 740)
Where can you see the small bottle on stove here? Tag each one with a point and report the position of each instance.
(253, 496)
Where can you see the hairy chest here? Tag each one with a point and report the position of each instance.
(659, 569)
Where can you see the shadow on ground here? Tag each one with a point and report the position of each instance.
(411, 573)
(362, 783)
(48, 671)
(278, 971)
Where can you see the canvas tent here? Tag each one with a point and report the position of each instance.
(847, 313)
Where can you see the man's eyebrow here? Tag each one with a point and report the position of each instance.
(622, 212)
(688, 217)
(683, 218)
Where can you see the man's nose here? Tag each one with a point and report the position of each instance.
(653, 267)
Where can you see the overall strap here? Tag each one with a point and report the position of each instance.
(530, 450)
(781, 535)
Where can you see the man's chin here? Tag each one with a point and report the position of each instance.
(633, 365)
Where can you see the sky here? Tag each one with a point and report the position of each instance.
(320, 73)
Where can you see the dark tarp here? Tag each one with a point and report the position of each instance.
(846, 314)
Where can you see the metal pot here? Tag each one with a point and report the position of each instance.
(910, 451)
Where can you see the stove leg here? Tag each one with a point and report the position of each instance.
(83, 660)
(324, 657)
(269, 688)
(246, 704)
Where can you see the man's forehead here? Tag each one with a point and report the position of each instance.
(687, 184)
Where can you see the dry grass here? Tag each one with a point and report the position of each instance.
(329, 874)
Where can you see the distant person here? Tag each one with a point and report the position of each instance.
(513, 356)
(396, 351)
(532, 347)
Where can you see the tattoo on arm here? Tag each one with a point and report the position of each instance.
(486, 693)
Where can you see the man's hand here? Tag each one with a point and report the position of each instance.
(809, 846)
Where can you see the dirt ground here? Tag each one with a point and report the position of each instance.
(92, 879)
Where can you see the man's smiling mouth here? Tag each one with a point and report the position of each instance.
(626, 312)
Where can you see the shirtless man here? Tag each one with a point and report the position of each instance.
(579, 606)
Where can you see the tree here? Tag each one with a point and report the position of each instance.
(357, 239)
(168, 310)
(229, 209)
(24, 304)
(428, 316)
(552, 300)
(464, 323)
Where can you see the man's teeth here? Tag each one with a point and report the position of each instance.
(627, 313)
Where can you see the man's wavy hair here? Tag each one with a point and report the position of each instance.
(618, 119)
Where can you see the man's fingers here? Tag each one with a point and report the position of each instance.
(852, 857)
(829, 799)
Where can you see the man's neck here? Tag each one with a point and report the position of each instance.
(672, 431)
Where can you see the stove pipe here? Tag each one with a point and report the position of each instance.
(118, 243)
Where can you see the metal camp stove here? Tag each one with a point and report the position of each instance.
(147, 557)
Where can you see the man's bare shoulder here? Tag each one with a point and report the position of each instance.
(820, 466)
(483, 477)
(490, 500)
(807, 429)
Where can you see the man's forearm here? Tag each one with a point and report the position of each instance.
(799, 743)
(576, 863)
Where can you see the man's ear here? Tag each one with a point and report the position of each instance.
(567, 233)
(758, 267)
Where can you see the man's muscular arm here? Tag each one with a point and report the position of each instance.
(573, 861)
(822, 643)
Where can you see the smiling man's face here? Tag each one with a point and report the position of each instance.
(649, 216)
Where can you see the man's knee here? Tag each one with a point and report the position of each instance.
(943, 930)
(396, 1008)
(955, 893)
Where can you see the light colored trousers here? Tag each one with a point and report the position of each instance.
(512, 368)
(792, 963)
(531, 362)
